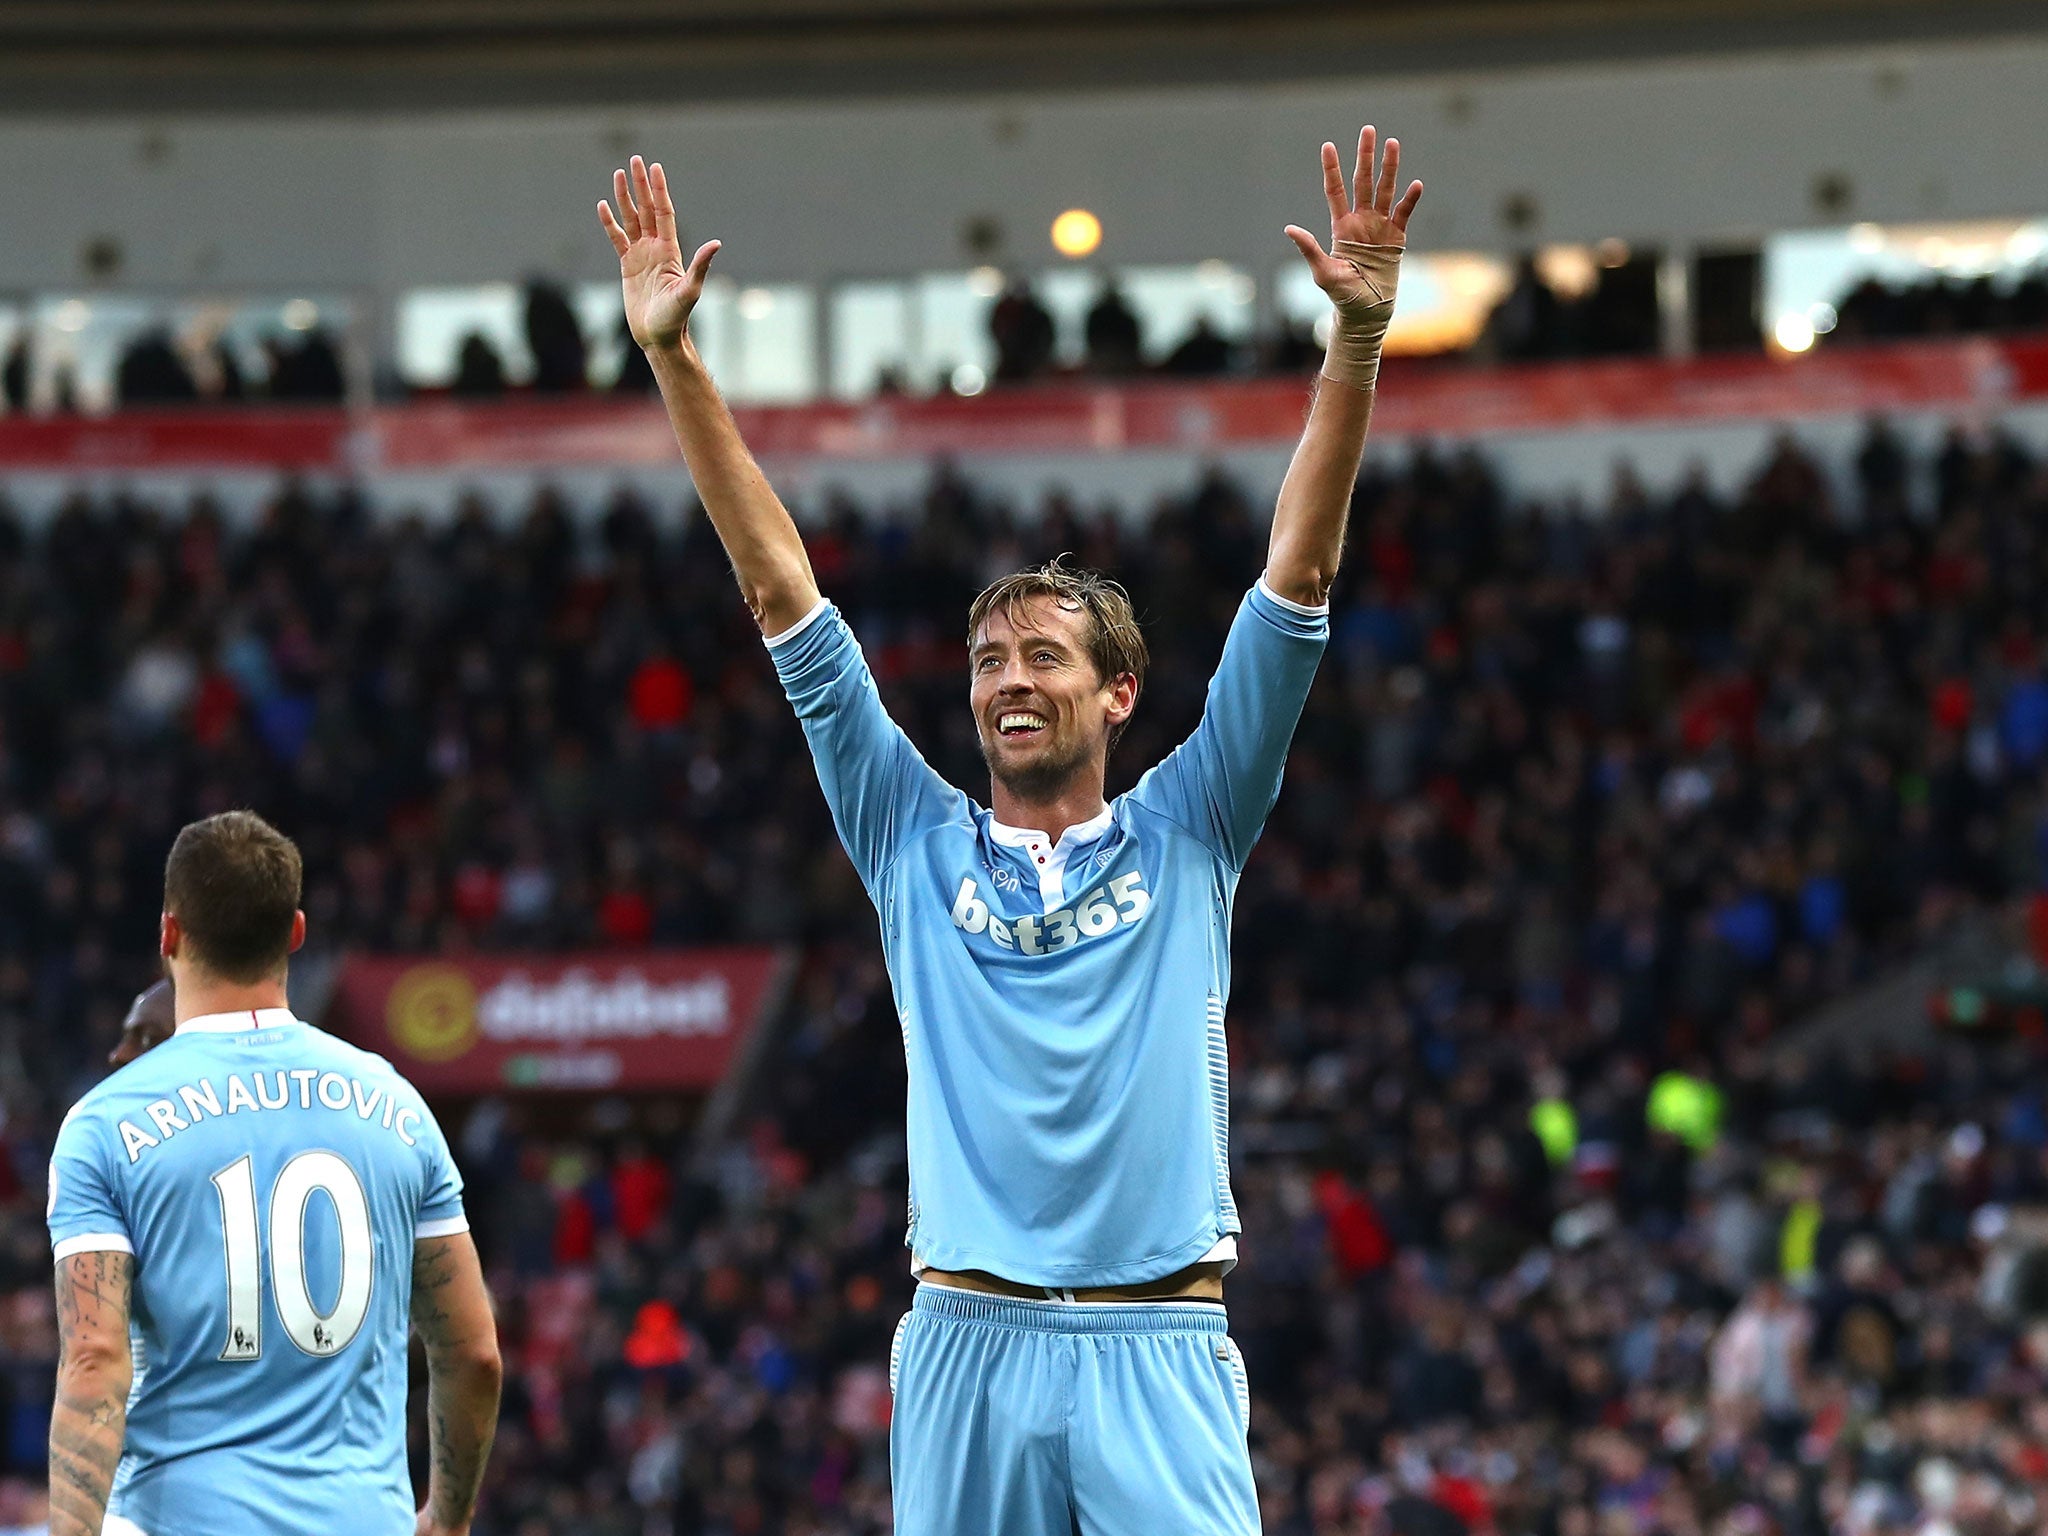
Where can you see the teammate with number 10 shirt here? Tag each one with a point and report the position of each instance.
(269, 1208)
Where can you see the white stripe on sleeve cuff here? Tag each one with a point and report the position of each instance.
(802, 624)
(1320, 610)
(445, 1226)
(91, 1242)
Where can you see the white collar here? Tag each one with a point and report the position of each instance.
(1050, 864)
(236, 1022)
(1024, 837)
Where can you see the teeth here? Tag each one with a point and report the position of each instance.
(1019, 722)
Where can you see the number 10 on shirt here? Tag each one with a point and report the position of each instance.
(315, 1332)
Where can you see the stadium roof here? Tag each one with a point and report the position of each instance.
(63, 56)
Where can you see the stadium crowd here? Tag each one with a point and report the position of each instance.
(1943, 306)
(1549, 1228)
(1533, 321)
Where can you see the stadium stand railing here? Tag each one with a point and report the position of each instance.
(1421, 399)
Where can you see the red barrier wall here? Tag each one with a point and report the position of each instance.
(1417, 399)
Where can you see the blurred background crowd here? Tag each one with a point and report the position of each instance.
(1613, 312)
(1558, 1219)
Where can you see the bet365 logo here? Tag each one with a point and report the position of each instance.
(1103, 910)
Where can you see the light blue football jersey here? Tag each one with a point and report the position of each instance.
(271, 1181)
(1062, 1003)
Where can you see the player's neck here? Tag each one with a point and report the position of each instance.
(1071, 804)
(198, 997)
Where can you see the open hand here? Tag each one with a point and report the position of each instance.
(1367, 213)
(659, 290)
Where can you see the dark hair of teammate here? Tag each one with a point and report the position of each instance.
(232, 882)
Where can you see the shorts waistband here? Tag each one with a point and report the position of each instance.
(1070, 1316)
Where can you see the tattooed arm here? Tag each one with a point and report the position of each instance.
(94, 1371)
(451, 1310)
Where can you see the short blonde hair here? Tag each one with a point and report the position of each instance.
(1115, 643)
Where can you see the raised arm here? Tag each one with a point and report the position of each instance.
(94, 1372)
(766, 551)
(1368, 230)
(451, 1310)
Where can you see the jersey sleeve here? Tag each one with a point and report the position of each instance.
(1221, 782)
(880, 790)
(441, 1213)
(86, 1212)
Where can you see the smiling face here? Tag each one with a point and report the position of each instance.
(1042, 709)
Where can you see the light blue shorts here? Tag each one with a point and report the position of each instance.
(1047, 1418)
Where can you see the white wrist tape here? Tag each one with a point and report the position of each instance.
(1359, 328)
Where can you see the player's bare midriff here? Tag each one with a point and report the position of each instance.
(1198, 1282)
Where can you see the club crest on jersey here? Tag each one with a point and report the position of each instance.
(1102, 910)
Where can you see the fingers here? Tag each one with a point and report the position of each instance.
(643, 195)
(1361, 171)
(1406, 207)
(661, 204)
(701, 262)
(629, 216)
(1390, 168)
(645, 207)
(1333, 183)
(1306, 244)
